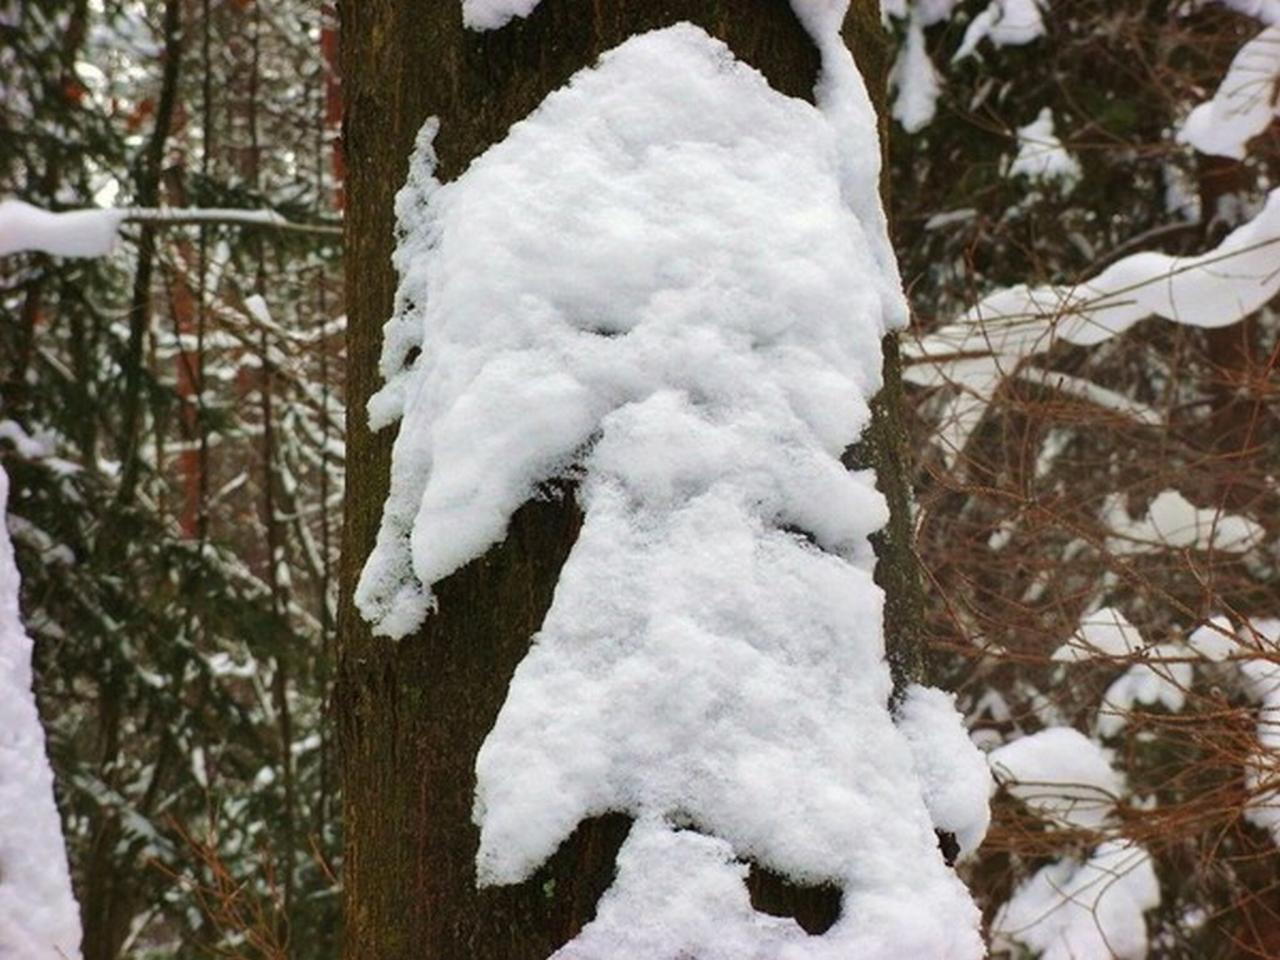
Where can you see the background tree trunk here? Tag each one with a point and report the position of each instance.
(412, 715)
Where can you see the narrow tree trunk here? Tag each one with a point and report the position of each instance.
(148, 195)
(413, 714)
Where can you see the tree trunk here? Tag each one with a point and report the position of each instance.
(413, 714)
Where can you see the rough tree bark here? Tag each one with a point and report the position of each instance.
(413, 714)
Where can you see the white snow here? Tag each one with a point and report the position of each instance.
(1215, 640)
(1163, 678)
(1041, 156)
(1061, 774)
(671, 282)
(953, 772)
(681, 879)
(1074, 910)
(841, 95)
(1261, 676)
(1268, 11)
(1104, 633)
(1006, 23)
(1261, 666)
(940, 221)
(695, 878)
(95, 233)
(1214, 289)
(39, 919)
(492, 14)
(697, 253)
(914, 82)
(933, 11)
(1244, 104)
(928, 12)
(27, 446)
(1092, 393)
(1172, 521)
(77, 233)
(1181, 193)
(1255, 650)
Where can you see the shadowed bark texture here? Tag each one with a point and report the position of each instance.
(412, 715)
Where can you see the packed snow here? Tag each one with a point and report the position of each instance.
(1006, 23)
(1062, 775)
(671, 282)
(492, 14)
(1042, 158)
(956, 778)
(1268, 11)
(1104, 633)
(1245, 103)
(1074, 909)
(665, 873)
(39, 919)
(1162, 679)
(933, 11)
(1173, 521)
(1214, 640)
(95, 233)
(76, 233)
(1254, 649)
(914, 81)
(592, 362)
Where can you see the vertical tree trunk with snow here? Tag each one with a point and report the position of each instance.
(38, 917)
(414, 713)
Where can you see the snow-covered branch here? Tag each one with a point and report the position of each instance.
(185, 216)
(1244, 104)
(991, 340)
(94, 232)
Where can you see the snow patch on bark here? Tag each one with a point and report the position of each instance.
(671, 283)
(1244, 104)
(492, 14)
